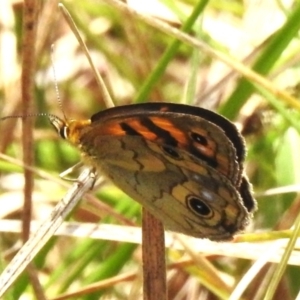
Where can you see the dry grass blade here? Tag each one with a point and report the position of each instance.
(47, 229)
(106, 96)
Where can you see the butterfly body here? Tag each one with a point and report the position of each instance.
(183, 163)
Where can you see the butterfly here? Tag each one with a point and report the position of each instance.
(184, 164)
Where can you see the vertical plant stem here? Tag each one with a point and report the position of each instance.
(30, 15)
(28, 68)
(154, 263)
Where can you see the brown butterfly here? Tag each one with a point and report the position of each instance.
(183, 163)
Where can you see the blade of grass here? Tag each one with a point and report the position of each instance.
(161, 66)
(279, 271)
(264, 63)
(106, 96)
(191, 84)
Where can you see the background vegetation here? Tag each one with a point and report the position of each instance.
(263, 36)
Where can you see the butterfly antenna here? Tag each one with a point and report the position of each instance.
(50, 116)
(55, 84)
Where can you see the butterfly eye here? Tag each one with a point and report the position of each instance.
(171, 152)
(60, 125)
(198, 206)
(64, 132)
(199, 138)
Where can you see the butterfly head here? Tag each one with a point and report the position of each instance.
(69, 129)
